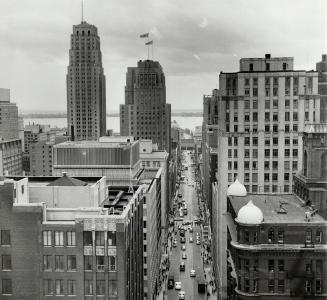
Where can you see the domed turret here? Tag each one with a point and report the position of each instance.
(236, 189)
(249, 214)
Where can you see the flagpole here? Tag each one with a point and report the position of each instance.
(148, 47)
(152, 51)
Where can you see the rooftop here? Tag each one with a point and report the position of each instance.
(278, 208)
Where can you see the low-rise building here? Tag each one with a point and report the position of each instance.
(63, 236)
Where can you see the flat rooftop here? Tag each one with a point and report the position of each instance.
(270, 205)
(118, 198)
(94, 144)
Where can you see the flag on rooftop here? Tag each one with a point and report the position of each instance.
(145, 35)
(149, 43)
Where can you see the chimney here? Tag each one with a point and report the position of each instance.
(267, 56)
(64, 174)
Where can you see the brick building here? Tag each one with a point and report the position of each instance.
(63, 236)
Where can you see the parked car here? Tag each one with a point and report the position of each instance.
(192, 273)
(183, 240)
(184, 256)
(171, 282)
(191, 239)
(183, 247)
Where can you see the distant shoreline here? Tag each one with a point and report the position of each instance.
(63, 115)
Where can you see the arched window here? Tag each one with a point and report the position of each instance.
(305, 164)
(318, 236)
(308, 236)
(323, 164)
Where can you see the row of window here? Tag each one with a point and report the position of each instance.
(57, 287)
(68, 238)
(277, 236)
(251, 286)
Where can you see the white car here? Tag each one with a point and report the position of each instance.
(191, 239)
(192, 273)
(184, 256)
(183, 247)
(181, 295)
(198, 242)
(178, 285)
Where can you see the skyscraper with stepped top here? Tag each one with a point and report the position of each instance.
(86, 85)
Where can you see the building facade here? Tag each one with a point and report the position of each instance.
(86, 85)
(276, 247)
(145, 114)
(321, 68)
(8, 116)
(117, 158)
(83, 241)
(11, 157)
(262, 113)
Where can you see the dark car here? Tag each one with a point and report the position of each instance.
(171, 282)
(183, 240)
(182, 267)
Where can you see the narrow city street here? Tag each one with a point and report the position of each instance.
(193, 260)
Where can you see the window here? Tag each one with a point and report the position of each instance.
(275, 92)
(318, 236)
(247, 285)
(59, 238)
(286, 188)
(318, 286)
(295, 152)
(308, 286)
(99, 238)
(287, 152)
(255, 151)
(246, 265)
(275, 128)
(6, 262)
(247, 166)
(267, 142)
(287, 128)
(254, 177)
(246, 92)
(255, 236)
(100, 287)
(71, 287)
(71, 238)
(275, 141)
(255, 92)
(267, 66)
(267, 104)
(271, 236)
(295, 116)
(47, 262)
(246, 141)
(235, 165)
(247, 118)
(5, 238)
(59, 287)
(246, 236)
(47, 287)
(275, 117)
(235, 128)
(87, 238)
(308, 236)
(281, 286)
(280, 236)
(319, 266)
(235, 117)
(113, 289)
(267, 90)
(281, 265)
(254, 105)
(266, 177)
(267, 152)
(229, 153)
(112, 263)
(71, 262)
(235, 141)
(59, 262)
(229, 141)
(47, 238)
(266, 165)
(235, 152)
(88, 287)
(100, 262)
(271, 285)
(111, 238)
(275, 154)
(267, 128)
(294, 127)
(271, 265)
(88, 262)
(251, 67)
(287, 141)
(275, 176)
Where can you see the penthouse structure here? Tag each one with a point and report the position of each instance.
(64, 236)
(117, 158)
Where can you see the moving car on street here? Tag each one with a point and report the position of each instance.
(192, 273)
(178, 285)
(181, 295)
(184, 255)
(182, 267)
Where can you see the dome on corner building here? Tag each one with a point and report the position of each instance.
(249, 214)
(236, 189)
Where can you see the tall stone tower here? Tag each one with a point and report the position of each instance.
(321, 68)
(86, 85)
(145, 114)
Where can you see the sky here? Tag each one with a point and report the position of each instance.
(193, 41)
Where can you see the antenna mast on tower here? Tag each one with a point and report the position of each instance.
(82, 7)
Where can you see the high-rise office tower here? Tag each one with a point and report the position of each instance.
(262, 113)
(8, 116)
(145, 114)
(321, 68)
(86, 85)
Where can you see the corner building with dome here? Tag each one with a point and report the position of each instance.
(276, 247)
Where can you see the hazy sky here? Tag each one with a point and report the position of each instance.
(193, 41)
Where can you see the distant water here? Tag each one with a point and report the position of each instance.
(113, 122)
